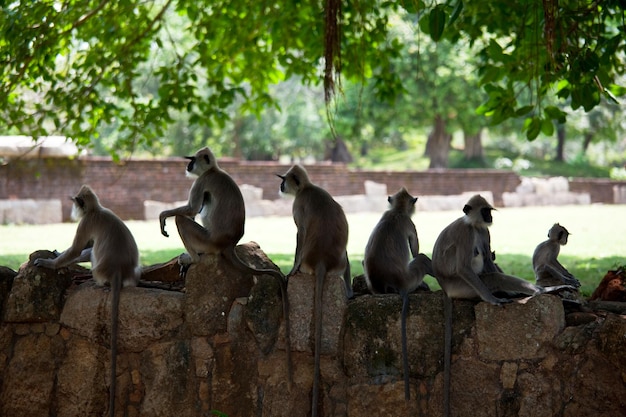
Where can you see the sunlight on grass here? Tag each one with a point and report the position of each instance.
(597, 242)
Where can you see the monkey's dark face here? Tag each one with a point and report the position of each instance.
(201, 162)
(289, 184)
(485, 213)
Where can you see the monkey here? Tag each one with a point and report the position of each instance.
(462, 259)
(548, 270)
(322, 237)
(114, 258)
(218, 200)
(463, 263)
(386, 265)
(464, 266)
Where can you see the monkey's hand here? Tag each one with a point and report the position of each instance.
(44, 263)
(162, 221)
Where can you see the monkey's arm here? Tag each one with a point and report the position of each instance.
(566, 278)
(298, 257)
(193, 207)
(74, 254)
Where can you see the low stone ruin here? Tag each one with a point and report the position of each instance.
(218, 345)
(30, 211)
(544, 192)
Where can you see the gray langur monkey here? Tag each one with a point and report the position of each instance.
(548, 270)
(388, 266)
(114, 259)
(463, 263)
(321, 242)
(218, 200)
(463, 260)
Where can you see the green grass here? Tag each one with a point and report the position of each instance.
(597, 242)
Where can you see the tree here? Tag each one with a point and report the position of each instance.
(71, 67)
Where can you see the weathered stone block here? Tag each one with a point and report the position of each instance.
(28, 382)
(518, 330)
(82, 385)
(145, 315)
(301, 294)
(37, 293)
(372, 342)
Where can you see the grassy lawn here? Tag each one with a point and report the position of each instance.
(597, 242)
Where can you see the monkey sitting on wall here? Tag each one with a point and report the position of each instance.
(218, 200)
(463, 261)
(114, 258)
(548, 270)
(388, 266)
(321, 242)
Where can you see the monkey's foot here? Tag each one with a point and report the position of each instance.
(184, 260)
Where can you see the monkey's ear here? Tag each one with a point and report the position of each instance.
(467, 209)
(207, 159)
(389, 199)
(296, 180)
(560, 235)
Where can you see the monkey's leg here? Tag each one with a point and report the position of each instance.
(496, 281)
(418, 267)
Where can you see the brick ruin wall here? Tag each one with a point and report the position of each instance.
(125, 186)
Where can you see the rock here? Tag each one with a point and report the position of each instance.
(518, 329)
(301, 292)
(145, 316)
(28, 382)
(164, 272)
(213, 284)
(37, 294)
(6, 282)
(264, 312)
(612, 287)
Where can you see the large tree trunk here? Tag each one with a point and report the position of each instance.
(587, 138)
(438, 144)
(337, 151)
(560, 144)
(473, 146)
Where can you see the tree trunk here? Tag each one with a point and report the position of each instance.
(560, 144)
(587, 138)
(473, 146)
(438, 144)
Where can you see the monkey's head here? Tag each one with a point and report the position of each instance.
(201, 162)
(293, 180)
(478, 211)
(403, 201)
(86, 200)
(558, 233)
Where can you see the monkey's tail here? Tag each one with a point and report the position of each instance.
(320, 274)
(116, 287)
(232, 257)
(447, 353)
(405, 358)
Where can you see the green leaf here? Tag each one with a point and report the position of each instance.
(533, 127)
(547, 127)
(437, 22)
(456, 12)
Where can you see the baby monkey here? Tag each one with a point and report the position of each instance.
(548, 270)
(388, 266)
(114, 258)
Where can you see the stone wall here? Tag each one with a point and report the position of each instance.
(219, 345)
(124, 187)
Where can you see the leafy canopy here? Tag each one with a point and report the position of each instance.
(71, 67)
